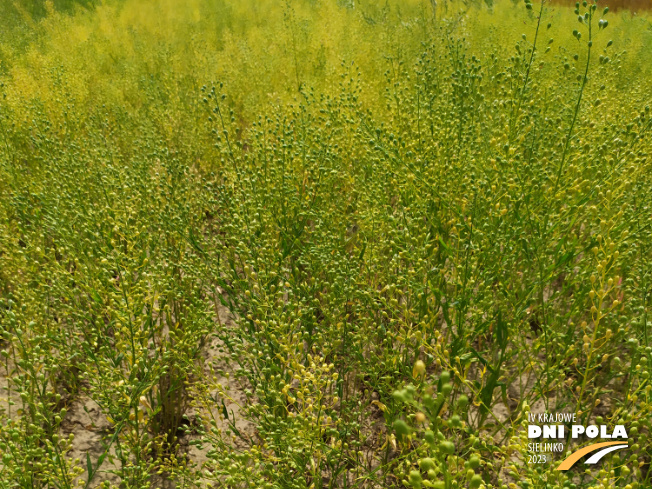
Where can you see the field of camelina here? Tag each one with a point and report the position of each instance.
(325, 244)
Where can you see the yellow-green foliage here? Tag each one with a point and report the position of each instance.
(136, 53)
(455, 198)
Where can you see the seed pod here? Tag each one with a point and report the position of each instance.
(447, 447)
(399, 396)
(419, 368)
(475, 482)
(415, 478)
(401, 428)
(429, 436)
(463, 401)
(426, 464)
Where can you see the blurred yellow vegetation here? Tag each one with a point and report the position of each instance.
(124, 53)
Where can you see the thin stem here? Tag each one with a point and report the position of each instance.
(527, 75)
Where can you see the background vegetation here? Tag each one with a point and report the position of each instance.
(321, 243)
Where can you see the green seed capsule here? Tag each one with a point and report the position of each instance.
(447, 447)
(429, 437)
(401, 427)
(475, 482)
(415, 477)
(426, 464)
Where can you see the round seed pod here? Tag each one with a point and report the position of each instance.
(401, 427)
(447, 447)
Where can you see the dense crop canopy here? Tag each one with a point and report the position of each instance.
(321, 244)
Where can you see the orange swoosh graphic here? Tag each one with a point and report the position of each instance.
(574, 457)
